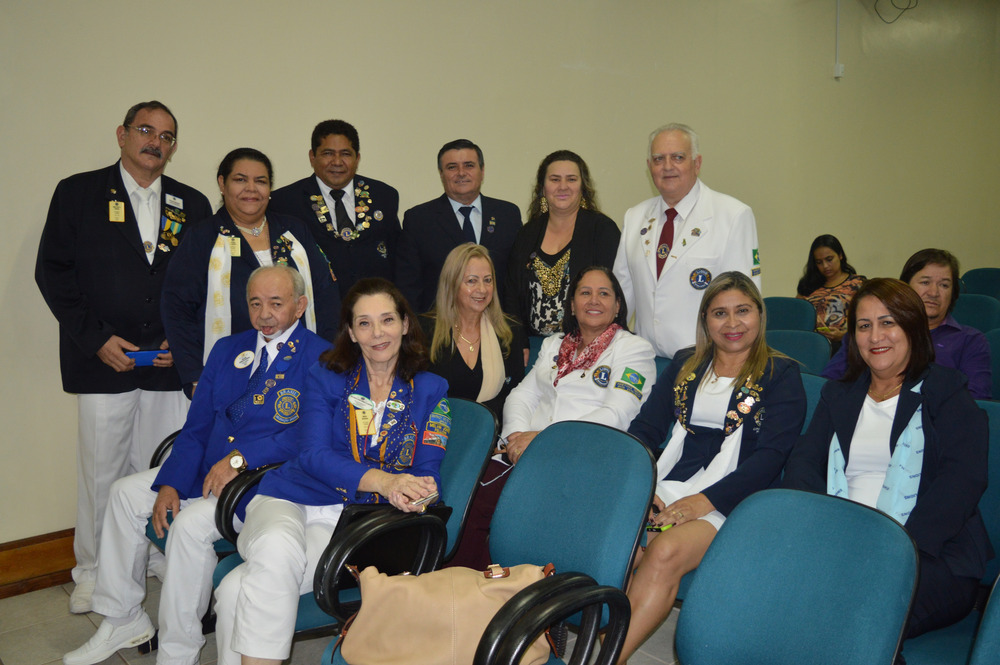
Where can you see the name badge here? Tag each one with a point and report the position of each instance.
(175, 202)
(116, 211)
(365, 418)
(243, 360)
(234, 246)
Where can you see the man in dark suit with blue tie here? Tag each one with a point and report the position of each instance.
(431, 230)
(244, 414)
(354, 218)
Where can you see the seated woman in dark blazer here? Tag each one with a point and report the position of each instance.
(565, 233)
(903, 435)
(473, 345)
(730, 412)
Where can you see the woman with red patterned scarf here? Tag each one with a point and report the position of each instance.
(596, 371)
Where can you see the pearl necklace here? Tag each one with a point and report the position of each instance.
(255, 231)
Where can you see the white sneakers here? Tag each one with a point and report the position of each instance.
(108, 639)
(79, 600)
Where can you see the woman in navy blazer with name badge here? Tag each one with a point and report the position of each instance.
(374, 430)
(737, 408)
(204, 289)
(903, 435)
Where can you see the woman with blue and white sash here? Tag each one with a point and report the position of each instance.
(903, 435)
(210, 272)
(730, 411)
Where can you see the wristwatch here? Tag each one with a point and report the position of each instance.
(237, 461)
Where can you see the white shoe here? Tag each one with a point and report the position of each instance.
(79, 600)
(108, 639)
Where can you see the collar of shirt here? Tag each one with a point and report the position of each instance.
(138, 193)
(476, 215)
(332, 202)
(683, 207)
(272, 346)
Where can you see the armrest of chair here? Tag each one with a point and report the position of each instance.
(232, 494)
(501, 626)
(591, 600)
(161, 450)
(364, 543)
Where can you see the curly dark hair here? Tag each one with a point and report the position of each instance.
(570, 324)
(588, 194)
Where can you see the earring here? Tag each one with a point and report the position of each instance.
(583, 203)
(543, 205)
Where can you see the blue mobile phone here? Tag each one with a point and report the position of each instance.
(143, 358)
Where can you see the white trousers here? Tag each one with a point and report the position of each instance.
(256, 604)
(190, 561)
(117, 435)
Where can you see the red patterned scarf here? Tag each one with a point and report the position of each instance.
(566, 362)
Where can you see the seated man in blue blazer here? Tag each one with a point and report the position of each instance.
(354, 218)
(243, 415)
(460, 215)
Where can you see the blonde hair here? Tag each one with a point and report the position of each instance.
(446, 311)
(704, 350)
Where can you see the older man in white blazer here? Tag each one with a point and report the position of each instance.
(673, 245)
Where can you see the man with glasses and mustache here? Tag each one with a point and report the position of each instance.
(101, 263)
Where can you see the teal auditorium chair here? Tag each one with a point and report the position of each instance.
(983, 281)
(974, 640)
(813, 385)
(786, 582)
(578, 499)
(986, 649)
(473, 436)
(993, 339)
(784, 313)
(979, 311)
(810, 349)
(534, 344)
(951, 644)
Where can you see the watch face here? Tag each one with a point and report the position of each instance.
(236, 461)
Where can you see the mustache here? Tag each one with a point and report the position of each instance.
(153, 150)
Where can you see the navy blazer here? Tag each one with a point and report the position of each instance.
(186, 288)
(770, 428)
(946, 522)
(95, 278)
(265, 434)
(595, 242)
(431, 230)
(325, 472)
(373, 253)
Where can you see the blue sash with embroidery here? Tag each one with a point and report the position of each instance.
(902, 478)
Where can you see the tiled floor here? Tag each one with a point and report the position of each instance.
(36, 628)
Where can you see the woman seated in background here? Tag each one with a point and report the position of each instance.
(596, 371)
(829, 283)
(903, 435)
(933, 274)
(565, 233)
(375, 428)
(473, 345)
(739, 407)
(213, 264)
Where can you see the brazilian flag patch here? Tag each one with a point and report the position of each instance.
(631, 382)
(438, 425)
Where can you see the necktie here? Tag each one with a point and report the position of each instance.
(470, 233)
(343, 221)
(237, 409)
(145, 219)
(666, 241)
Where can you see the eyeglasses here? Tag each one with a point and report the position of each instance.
(148, 132)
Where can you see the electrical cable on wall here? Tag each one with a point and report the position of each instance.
(910, 4)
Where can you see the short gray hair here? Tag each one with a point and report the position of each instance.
(298, 284)
(674, 127)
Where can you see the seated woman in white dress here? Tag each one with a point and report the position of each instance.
(732, 408)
